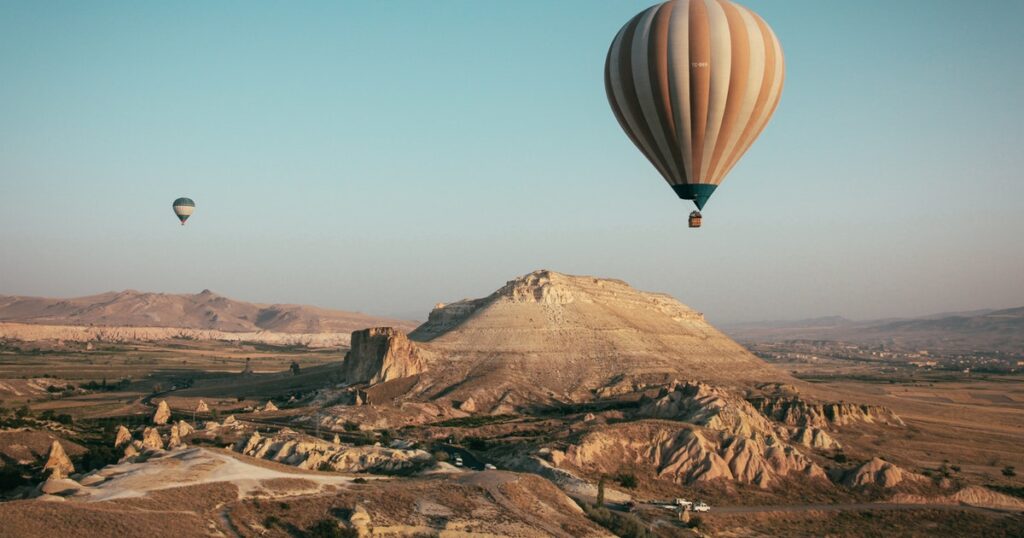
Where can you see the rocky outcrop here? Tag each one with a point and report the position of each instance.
(971, 495)
(688, 454)
(202, 407)
(58, 463)
(814, 438)
(380, 355)
(174, 439)
(58, 485)
(881, 473)
(162, 414)
(306, 452)
(270, 406)
(360, 521)
(711, 407)
(795, 411)
(130, 452)
(151, 439)
(124, 437)
(184, 428)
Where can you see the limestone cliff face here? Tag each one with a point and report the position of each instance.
(380, 355)
(795, 411)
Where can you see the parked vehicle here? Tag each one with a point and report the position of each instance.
(458, 461)
(489, 467)
(701, 507)
(684, 503)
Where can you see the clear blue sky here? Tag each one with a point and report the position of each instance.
(384, 156)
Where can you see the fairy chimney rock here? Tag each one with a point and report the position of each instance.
(163, 413)
(58, 462)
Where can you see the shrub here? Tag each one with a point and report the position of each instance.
(626, 480)
(350, 426)
(1009, 471)
(10, 478)
(625, 525)
(328, 528)
(440, 455)
(99, 456)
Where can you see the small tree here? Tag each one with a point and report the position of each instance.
(600, 491)
(1009, 471)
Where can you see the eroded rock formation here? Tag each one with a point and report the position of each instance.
(881, 473)
(795, 411)
(151, 439)
(124, 437)
(292, 448)
(814, 438)
(57, 462)
(380, 355)
(708, 406)
(162, 414)
(686, 454)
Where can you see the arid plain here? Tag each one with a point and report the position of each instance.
(557, 406)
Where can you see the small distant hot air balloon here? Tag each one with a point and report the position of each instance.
(183, 208)
(693, 83)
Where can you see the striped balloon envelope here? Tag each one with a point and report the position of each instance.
(693, 83)
(183, 208)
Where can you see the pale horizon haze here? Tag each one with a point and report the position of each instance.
(386, 156)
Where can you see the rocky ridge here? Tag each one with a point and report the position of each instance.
(306, 452)
(87, 334)
(795, 411)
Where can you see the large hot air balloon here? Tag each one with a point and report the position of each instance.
(693, 83)
(183, 208)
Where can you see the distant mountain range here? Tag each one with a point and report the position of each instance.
(205, 310)
(979, 330)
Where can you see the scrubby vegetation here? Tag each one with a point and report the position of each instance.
(624, 525)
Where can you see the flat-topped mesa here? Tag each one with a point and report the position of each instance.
(381, 354)
(544, 287)
(550, 338)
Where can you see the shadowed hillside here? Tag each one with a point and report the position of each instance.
(205, 310)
